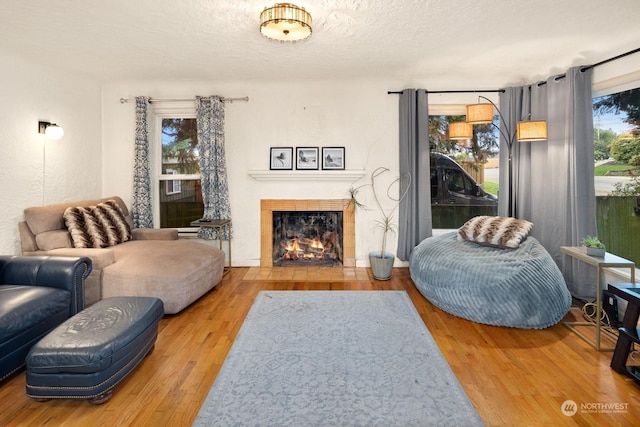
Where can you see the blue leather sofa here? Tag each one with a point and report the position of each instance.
(36, 295)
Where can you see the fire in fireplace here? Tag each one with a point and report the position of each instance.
(307, 238)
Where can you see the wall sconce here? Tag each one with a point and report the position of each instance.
(51, 130)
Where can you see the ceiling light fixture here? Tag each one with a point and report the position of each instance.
(285, 22)
(52, 130)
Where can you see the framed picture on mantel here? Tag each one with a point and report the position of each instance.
(281, 158)
(307, 158)
(333, 158)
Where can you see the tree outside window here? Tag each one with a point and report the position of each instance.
(180, 192)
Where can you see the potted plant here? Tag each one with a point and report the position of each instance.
(382, 261)
(594, 246)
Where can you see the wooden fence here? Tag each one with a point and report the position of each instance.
(475, 169)
(618, 221)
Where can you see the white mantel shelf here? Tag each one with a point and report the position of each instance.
(348, 175)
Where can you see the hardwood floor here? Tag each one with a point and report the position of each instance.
(512, 376)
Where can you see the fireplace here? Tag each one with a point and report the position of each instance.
(307, 233)
(307, 238)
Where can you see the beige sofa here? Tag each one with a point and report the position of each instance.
(153, 263)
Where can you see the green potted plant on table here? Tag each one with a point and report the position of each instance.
(382, 261)
(594, 246)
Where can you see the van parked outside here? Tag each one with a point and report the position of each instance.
(455, 195)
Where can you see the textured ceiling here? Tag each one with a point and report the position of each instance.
(453, 44)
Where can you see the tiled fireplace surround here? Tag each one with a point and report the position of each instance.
(268, 206)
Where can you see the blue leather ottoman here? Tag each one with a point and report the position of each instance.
(90, 353)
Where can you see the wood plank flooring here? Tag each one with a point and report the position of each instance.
(307, 274)
(513, 377)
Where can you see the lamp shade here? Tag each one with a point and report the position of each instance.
(51, 130)
(285, 22)
(532, 131)
(460, 130)
(54, 131)
(479, 114)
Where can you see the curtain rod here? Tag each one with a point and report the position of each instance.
(453, 91)
(631, 52)
(152, 100)
(587, 67)
(583, 69)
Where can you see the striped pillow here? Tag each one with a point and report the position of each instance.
(98, 226)
(501, 232)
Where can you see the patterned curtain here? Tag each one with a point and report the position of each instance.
(213, 165)
(141, 209)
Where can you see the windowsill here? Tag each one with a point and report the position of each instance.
(622, 275)
(440, 231)
(188, 233)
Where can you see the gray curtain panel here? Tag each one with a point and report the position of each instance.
(213, 165)
(414, 215)
(141, 208)
(512, 111)
(553, 179)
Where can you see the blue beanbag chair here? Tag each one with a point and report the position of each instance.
(521, 287)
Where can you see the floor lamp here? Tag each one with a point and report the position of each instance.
(482, 113)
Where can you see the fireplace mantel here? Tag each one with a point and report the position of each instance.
(267, 206)
(349, 175)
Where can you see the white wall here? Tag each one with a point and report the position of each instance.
(34, 92)
(360, 116)
(95, 156)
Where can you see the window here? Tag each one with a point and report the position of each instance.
(178, 194)
(172, 186)
(616, 138)
(458, 188)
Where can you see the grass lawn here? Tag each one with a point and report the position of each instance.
(491, 187)
(603, 169)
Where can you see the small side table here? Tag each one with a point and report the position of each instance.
(629, 331)
(218, 224)
(600, 263)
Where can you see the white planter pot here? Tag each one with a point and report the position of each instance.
(381, 267)
(595, 251)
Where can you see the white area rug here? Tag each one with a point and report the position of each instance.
(335, 358)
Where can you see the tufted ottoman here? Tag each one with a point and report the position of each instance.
(90, 353)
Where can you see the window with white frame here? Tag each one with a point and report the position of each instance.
(172, 186)
(177, 193)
